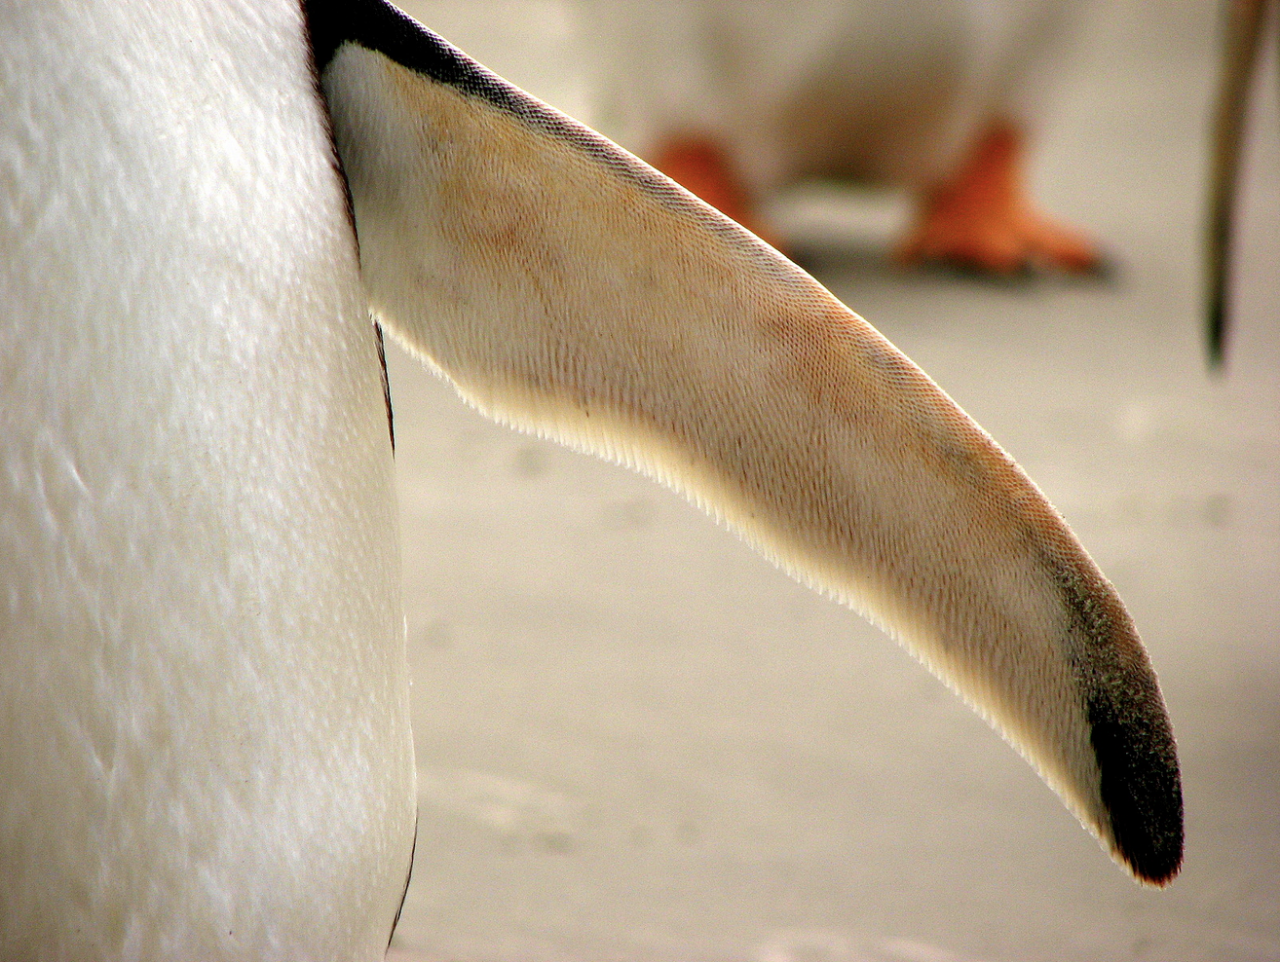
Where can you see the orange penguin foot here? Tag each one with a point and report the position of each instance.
(703, 168)
(982, 219)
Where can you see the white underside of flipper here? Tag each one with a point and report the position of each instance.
(568, 289)
(204, 700)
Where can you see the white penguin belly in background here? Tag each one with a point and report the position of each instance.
(736, 100)
(204, 704)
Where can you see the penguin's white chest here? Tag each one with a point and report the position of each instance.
(198, 553)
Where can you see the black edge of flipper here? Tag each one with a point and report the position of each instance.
(378, 26)
(386, 383)
(408, 877)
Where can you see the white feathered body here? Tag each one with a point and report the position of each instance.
(203, 699)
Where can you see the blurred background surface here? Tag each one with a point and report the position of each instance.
(638, 741)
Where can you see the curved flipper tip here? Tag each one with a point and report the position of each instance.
(1140, 788)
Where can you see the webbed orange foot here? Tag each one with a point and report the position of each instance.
(983, 219)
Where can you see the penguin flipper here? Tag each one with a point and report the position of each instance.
(1244, 23)
(568, 289)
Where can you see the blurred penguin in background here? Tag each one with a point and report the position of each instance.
(737, 100)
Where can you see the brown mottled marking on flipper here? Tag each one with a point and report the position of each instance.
(569, 289)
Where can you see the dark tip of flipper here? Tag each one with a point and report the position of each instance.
(1141, 786)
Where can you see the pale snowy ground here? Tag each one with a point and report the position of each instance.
(638, 741)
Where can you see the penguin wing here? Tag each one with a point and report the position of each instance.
(568, 289)
(1243, 27)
